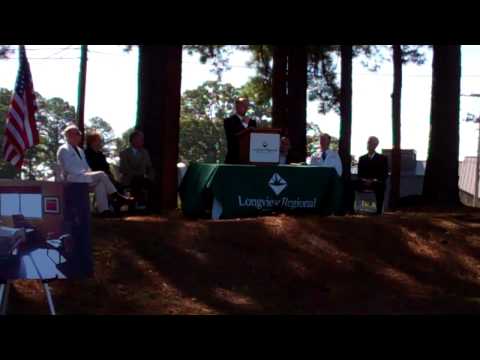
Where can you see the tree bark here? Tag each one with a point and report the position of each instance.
(160, 69)
(297, 103)
(441, 174)
(279, 87)
(396, 125)
(344, 147)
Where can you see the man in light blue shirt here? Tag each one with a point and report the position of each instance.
(326, 157)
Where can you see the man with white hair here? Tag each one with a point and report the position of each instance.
(74, 167)
(372, 173)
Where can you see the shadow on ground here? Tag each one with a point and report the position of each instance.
(400, 263)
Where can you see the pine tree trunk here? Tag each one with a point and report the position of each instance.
(346, 110)
(279, 87)
(396, 125)
(441, 174)
(143, 84)
(297, 103)
(82, 80)
(159, 116)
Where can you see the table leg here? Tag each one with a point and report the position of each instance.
(2, 290)
(49, 298)
(217, 209)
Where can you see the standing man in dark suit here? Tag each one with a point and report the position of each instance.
(372, 173)
(234, 125)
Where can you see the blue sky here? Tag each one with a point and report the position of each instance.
(112, 91)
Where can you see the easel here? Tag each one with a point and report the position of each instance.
(5, 290)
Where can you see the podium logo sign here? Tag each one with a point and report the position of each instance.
(264, 148)
(277, 184)
(286, 202)
(295, 198)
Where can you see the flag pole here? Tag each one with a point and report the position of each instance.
(82, 79)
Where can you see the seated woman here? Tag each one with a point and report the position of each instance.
(96, 160)
(136, 169)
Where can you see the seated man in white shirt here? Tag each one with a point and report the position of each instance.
(74, 166)
(284, 149)
(326, 157)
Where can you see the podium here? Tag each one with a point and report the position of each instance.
(259, 146)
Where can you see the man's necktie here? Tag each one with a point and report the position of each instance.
(78, 152)
(324, 155)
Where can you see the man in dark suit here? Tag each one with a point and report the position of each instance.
(234, 125)
(372, 173)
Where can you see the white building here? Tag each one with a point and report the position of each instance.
(466, 181)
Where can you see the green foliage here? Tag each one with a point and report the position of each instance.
(5, 50)
(53, 116)
(212, 100)
(101, 126)
(203, 109)
(202, 141)
(322, 82)
(217, 54)
(262, 57)
(414, 54)
(258, 90)
(313, 138)
(373, 56)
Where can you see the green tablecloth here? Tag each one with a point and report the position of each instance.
(246, 190)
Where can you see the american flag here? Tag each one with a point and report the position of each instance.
(21, 129)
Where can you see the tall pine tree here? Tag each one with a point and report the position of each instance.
(441, 174)
(160, 69)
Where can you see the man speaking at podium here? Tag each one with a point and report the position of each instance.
(235, 124)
